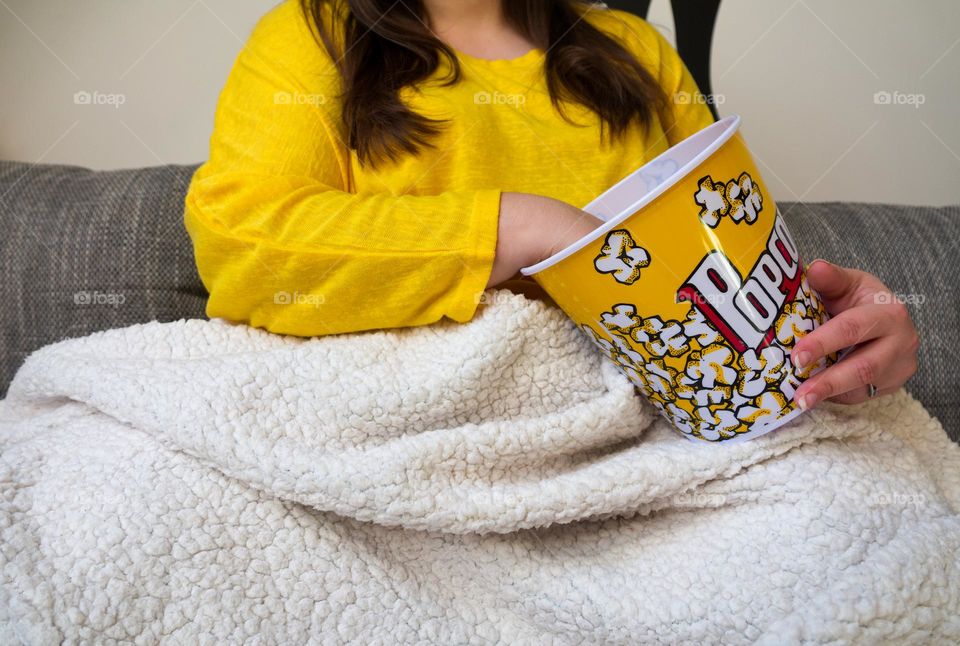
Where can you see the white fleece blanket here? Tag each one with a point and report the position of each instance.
(498, 481)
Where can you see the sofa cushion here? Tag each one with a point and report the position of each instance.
(84, 251)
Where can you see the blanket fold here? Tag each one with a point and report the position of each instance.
(493, 481)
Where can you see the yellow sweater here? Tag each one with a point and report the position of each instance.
(292, 235)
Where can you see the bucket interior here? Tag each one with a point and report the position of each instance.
(632, 189)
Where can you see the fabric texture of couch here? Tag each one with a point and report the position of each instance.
(84, 251)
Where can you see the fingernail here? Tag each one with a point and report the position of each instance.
(802, 359)
(808, 401)
(826, 262)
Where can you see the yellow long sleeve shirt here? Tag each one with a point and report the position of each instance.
(292, 235)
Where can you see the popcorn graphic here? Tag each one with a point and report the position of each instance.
(744, 199)
(808, 292)
(697, 329)
(726, 392)
(681, 418)
(788, 386)
(767, 409)
(691, 384)
(660, 378)
(622, 257)
(810, 295)
(761, 370)
(662, 338)
(710, 396)
(717, 392)
(712, 366)
(658, 337)
(685, 387)
(617, 350)
(713, 201)
(622, 319)
(719, 424)
(737, 400)
(756, 385)
(628, 353)
(738, 198)
(793, 323)
(637, 378)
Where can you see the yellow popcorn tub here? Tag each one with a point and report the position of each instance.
(694, 288)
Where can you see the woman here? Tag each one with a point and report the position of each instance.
(379, 164)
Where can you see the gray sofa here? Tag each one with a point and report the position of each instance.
(84, 251)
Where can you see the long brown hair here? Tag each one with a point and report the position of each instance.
(385, 45)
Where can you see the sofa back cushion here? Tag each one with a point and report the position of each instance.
(86, 250)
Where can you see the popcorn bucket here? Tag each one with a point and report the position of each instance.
(694, 288)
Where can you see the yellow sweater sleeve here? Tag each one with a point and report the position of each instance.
(281, 243)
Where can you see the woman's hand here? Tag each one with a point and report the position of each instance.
(864, 313)
(533, 228)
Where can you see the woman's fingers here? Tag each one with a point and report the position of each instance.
(877, 362)
(867, 317)
(837, 286)
(846, 329)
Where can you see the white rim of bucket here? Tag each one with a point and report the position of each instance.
(722, 130)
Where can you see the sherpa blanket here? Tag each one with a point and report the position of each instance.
(497, 481)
